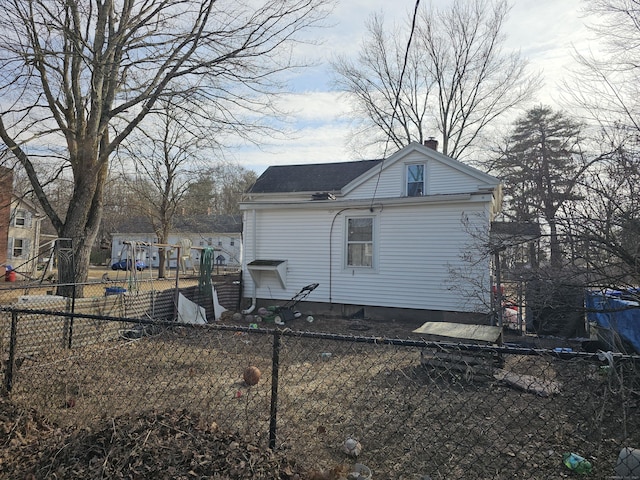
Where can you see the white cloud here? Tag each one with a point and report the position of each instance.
(544, 31)
(314, 106)
(320, 144)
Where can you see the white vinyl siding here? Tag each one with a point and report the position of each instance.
(418, 247)
(301, 237)
(443, 179)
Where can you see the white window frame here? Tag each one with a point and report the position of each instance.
(373, 242)
(424, 178)
(15, 248)
(20, 218)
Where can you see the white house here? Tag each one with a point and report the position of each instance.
(23, 236)
(223, 234)
(402, 233)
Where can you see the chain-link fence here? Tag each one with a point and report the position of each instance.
(125, 295)
(418, 409)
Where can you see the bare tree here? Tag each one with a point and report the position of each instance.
(373, 82)
(165, 153)
(458, 78)
(606, 83)
(232, 182)
(78, 76)
(218, 190)
(606, 226)
(606, 87)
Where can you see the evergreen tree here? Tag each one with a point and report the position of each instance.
(541, 167)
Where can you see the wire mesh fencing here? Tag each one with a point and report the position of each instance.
(415, 409)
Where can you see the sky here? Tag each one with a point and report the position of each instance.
(544, 31)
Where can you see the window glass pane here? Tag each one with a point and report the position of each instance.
(360, 229)
(415, 180)
(360, 255)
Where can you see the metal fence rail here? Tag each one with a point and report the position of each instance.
(419, 409)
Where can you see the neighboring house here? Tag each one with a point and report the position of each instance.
(23, 236)
(222, 233)
(400, 237)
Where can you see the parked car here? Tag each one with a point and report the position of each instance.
(126, 265)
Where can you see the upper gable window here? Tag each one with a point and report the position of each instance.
(415, 180)
(20, 218)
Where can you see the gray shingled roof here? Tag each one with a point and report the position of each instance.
(318, 177)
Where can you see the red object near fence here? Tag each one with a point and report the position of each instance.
(9, 275)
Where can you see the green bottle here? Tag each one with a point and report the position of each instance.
(575, 462)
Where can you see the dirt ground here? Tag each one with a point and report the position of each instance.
(127, 409)
(163, 445)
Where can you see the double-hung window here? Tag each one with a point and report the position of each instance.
(18, 247)
(415, 180)
(360, 236)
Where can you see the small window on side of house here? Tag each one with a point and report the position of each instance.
(232, 242)
(415, 180)
(18, 245)
(20, 219)
(219, 243)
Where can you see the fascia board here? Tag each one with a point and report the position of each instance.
(483, 197)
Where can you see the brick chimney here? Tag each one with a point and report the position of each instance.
(431, 143)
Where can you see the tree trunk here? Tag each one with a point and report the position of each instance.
(73, 263)
(554, 245)
(163, 253)
(162, 263)
(82, 222)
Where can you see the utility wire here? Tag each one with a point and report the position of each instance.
(397, 99)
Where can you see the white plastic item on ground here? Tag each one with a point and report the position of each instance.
(39, 298)
(218, 309)
(190, 312)
(360, 472)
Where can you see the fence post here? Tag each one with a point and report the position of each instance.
(73, 310)
(8, 374)
(274, 390)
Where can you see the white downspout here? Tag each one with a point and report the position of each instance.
(254, 236)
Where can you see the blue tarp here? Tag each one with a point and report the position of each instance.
(615, 311)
